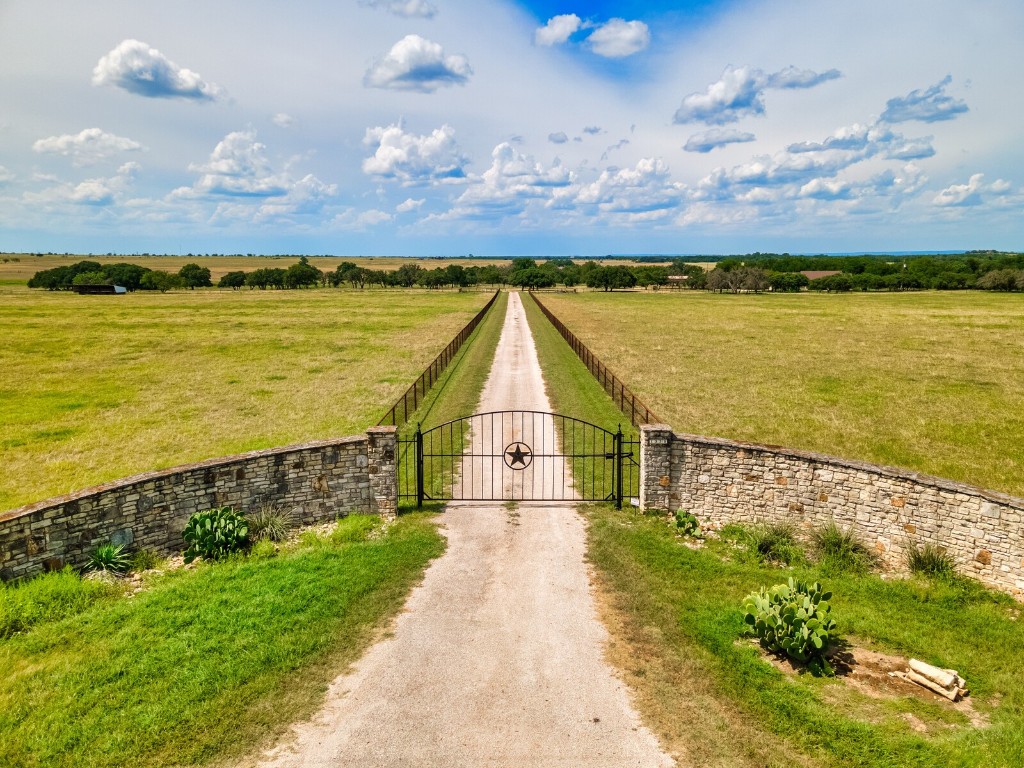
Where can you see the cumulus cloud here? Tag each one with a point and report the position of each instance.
(643, 193)
(358, 221)
(930, 105)
(306, 197)
(868, 141)
(5, 175)
(283, 120)
(618, 38)
(713, 138)
(964, 195)
(407, 8)
(137, 68)
(414, 159)
(512, 181)
(410, 205)
(557, 30)
(417, 64)
(87, 147)
(99, 192)
(238, 167)
(740, 91)
(558, 138)
(593, 130)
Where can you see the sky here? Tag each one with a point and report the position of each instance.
(502, 127)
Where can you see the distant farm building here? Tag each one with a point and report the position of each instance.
(814, 274)
(100, 289)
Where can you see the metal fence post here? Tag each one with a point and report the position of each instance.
(419, 466)
(618, 468)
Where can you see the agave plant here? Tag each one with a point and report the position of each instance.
(109, 557)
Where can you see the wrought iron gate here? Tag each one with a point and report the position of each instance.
(518, 456)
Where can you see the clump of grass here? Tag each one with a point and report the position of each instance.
(270, 523)
(841, 551)
(355, 528)
(111, 558)
(774, 543)
(48, 597)
(930, 560)
(263, 549)
(144, 560)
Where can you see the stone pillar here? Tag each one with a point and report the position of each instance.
(382, 466)
(655, 467)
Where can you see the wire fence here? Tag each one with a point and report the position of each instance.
(408, 403)
(624, 398)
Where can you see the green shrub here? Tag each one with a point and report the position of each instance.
(48, 597)
(930, 560)
(270, 523)
(793, 619)
(109, 557)
(263, 549)
(841, 551)
(144, 560)
(214, 534)
(774, 543)
(687, 523)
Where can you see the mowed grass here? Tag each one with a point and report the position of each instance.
(678, 637)
(928, 381)
(93, 388)
(206, 664)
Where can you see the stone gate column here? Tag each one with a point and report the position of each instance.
(655, 467)
(382, 466)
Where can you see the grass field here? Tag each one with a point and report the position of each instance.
(929, 381)
(93, 388)
(206, 664)
(678, 638)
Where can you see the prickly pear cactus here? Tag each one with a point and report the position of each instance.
(687, 523)
(794, 619)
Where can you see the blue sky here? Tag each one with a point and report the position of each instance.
(423, 127)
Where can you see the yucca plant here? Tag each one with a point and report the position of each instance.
(842, 550)
(109, 557)
(270, 523)
(214, 534)
(774, 543)
(930, 560)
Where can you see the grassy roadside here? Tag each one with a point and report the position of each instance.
(677, 635)
(456, 394)
(207, 664)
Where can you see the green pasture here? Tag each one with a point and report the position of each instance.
(94, 388)
(700, 683)
(929, 381)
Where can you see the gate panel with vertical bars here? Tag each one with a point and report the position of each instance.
(518, 456)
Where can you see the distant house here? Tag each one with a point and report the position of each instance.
(100, 289)
(814, 274)
(677, 281)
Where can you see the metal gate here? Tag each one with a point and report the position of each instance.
(518, 456)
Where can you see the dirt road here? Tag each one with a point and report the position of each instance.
(498, 657)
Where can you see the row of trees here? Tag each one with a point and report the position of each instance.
(131, 276)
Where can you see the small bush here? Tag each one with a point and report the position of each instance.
(263, 549)
(794, 619)
(109, 557)
(930, 560)
(687, 523)
(48, 597)
(774, 543)
(214, 534)
(144, 560)
(841, 551)
(270, 523)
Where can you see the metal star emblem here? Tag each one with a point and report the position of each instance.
(518, 456)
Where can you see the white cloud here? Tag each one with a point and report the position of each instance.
(558, 138)
(283, 120)
(238, 167)
(713, 138)
(87, 147)
(414, 159)
(642, 193)
(618, 38)
(5, 175)
(407, 8)
(740, 93)
(417, 64)
(137, 68)
(593, 130)
(868, 141)
(557, 30)
(931, 105)
(99, 192)
(359, 221)
(410, 205)
(971, 193)
(306, 197)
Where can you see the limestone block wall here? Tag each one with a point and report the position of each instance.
(317, 480)
(725, 481)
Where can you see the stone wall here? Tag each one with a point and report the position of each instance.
(723, 481)
(318, 481)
